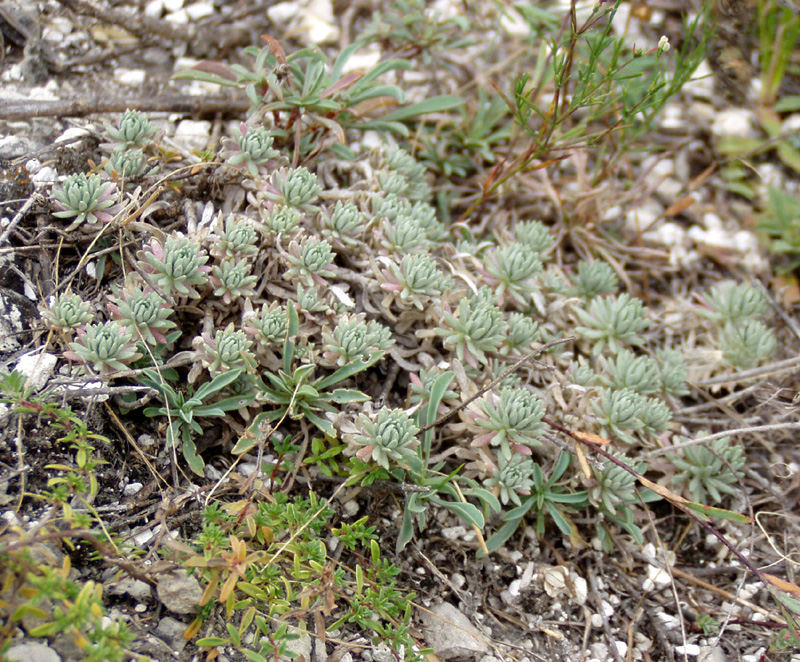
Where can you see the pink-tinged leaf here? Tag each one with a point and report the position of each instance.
(274, 46)
(342, 84)
(215, 68)
(782, 584)
(483, 439)
(364, 453)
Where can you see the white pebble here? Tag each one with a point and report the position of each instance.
(38, 368)
(129, 76)
(132, 488)
(688, 649)
(193, 135)
(200, 10)
(734, 123)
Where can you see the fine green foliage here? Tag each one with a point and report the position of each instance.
(134, 129)
(86, 200)
(312, 97)
(144, 313)
(514, 422)
(547, 498)
(390, 437)
(613, 321)
(176, 266)
(477, 329)
(252, 149)
(40, 593)
(781, 221)
(67, 312)
(709, 472)
(305, 298)
(295, 394)
(778, 32)
(261, 583)
(185, 410)
(747, 344)
(107, 347)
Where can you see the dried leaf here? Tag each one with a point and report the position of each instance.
(663, 491)
(782, 584)
(679, 207)
(591, 438)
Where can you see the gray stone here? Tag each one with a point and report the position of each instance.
(32, 653)
(179, 592)
(170, 631)
(66, 647)
(708, 654)
(301, 646)
(451, 634)
(135, 588)
(383, 653)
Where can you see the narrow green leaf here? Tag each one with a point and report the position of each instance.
(568, 497)
(504, 533)
(467, 512)
(706, 512)
(438, 390)
(559, 518)
(217, 384)
(322, 423)
(486, 497)
(788, 104)
(792, 604)
(789, 155)
(433, 105)
(194, 461)
(234, 634)
(560, 467)
(293, 328)
(406, 530)
(252, 590)
(344, 395)
(347, 370)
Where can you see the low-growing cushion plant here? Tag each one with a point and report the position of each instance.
(336, 324)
